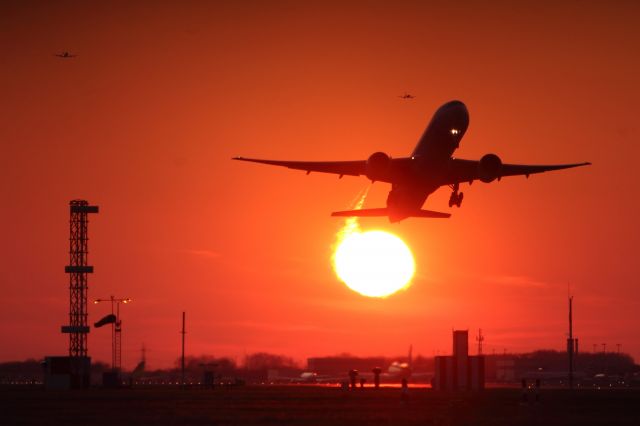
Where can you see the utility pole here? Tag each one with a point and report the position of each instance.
(618, 346)
(183, 332)
(570, 344)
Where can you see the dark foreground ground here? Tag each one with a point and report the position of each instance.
(314, 405)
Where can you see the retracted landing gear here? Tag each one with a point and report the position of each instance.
(456, 197)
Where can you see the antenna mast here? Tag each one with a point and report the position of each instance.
(479, 339)
(571, 344)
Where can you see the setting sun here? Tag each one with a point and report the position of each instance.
(374, 263)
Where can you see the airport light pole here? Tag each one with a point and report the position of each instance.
(570, 342)
(183, 332)
(116, 330)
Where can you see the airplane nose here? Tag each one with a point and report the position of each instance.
(455, 105)
(456, 115)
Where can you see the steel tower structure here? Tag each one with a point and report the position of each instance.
(78, 270)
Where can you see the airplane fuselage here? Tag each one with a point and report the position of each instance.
(430, 160)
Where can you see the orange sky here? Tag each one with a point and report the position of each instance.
(144, 122)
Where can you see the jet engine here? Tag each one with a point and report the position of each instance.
(489, 168)
(377, 165)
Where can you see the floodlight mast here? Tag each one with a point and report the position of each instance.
(116, 330)
(78, 270)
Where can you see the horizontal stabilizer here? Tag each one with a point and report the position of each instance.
(384, 212)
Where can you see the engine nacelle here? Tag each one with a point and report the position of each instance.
(378, 165)
(489, 168)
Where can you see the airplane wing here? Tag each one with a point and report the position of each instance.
(350, 168)
(468, 170)
(396, 172)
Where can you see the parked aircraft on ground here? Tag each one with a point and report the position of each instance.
(396, 371)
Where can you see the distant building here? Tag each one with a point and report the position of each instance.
(505, 370)
(59, 372)
(460, 371)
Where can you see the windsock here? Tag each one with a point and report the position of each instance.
(109, 319)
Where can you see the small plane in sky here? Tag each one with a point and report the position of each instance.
(430, 166)
(65, 55)
(406, 96)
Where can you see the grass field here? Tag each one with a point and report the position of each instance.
(314, 405)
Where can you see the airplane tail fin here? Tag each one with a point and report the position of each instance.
(384, 212)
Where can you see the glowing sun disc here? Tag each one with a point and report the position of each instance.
(374, 263)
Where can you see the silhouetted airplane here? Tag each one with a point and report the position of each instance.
(429, 167)
(406, 96)
(396, 371)
(65, 55)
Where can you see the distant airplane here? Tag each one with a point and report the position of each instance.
(429, 167)
(397, 371)
(65, 55)
(406, 96)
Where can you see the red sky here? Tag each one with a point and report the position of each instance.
(145, 120)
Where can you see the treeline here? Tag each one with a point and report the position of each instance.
(257, 361)
(257, 364)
